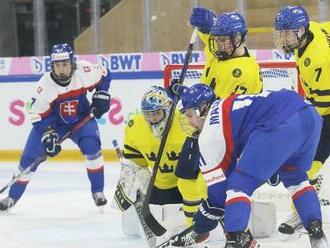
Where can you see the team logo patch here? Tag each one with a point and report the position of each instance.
(307, 62)
(237, 72)
(69, 111)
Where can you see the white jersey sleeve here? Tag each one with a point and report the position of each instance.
(45, 93)
(89, 75)
(212, 146)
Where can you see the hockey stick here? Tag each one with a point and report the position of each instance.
(152, 223)
(183, 235)
(44, 157)
(150, 237)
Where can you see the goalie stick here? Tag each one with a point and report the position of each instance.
(44, 157)
(138, 204)
(150, 220)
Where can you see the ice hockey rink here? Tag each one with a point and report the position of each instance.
(57, 211)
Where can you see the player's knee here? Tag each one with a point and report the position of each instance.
(90, 146)
(189, 189)
(240, 181)
(292, 178)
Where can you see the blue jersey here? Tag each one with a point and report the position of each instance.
(230, 123)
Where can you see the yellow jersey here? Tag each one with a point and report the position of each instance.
(141, 146)
(239, 75)
(314, 67)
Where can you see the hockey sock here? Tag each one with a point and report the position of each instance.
(191, 197)
(17, 189)
(238, 208)
(95, 171)
(301, 194)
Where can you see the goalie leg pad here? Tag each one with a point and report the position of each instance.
(132, 178)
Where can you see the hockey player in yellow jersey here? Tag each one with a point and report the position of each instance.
(229, 68)
(141, 143)
(310, 43)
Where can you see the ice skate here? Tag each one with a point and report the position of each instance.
(290, 228)
(7, 203)
(316, 235)
(100, 200)
(190, 240)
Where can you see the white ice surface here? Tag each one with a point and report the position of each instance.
(57, 211)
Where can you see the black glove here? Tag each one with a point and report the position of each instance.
(50, 140)
(274, 180)
(176, 88)
(100, 103)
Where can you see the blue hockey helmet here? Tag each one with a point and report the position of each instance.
(291, 18)
(197, 96)
(291, 28)
(62, 52)
(229, 24)
(227, 34)
(155, 107)
(195, 103)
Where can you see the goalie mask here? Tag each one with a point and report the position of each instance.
(227, 34)
(195, 104)
(291, 28)
(155, 107)
(63, 63)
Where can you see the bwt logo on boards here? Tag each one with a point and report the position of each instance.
(40, 65)
(178, 58)
(121, 62)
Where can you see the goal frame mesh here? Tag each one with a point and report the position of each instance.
(263, 65)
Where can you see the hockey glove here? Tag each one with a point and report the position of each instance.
(176, 88)
(207, 218)
(203, 19)
(100, 103)
(50, 140)
(274, 180)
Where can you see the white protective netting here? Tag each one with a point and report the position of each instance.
(276, 75)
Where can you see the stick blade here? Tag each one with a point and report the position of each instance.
(154, 225)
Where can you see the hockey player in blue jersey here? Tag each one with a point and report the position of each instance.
(60, 101)
(243, 141)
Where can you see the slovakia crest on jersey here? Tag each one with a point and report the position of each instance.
(69, 111)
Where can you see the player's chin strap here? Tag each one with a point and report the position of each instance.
(42, 158)
(150, 220)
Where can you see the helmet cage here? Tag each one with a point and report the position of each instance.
(155, 107)
(289, 40)
(62, 52)
(235, 40)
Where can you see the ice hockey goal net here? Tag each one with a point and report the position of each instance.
(276, 75)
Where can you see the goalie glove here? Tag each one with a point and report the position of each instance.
(203, 19)
(207, 217)
(50, 140)
(100, 103)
